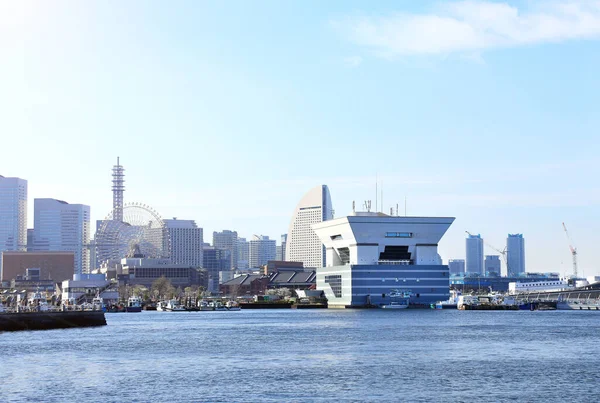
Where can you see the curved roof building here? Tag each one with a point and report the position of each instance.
(303, 244)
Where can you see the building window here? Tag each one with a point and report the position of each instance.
(335, 282)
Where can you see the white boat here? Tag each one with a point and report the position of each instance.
(219, 306)
(98, 304)
(398, 300)
(205, 306)
(233, 306)
(579, 305)
(38, 302)
(172, 305)
(134, 304)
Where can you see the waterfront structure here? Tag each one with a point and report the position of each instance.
(474, 248)
(280, 255)
(144, 271)
(60, 226)
(88, 286)
(302, 243)
(371, 254)
(13, 214)
(456, 267)
(243, 254)
(515, 254)
(492, 265)
(227, 239)
(186, 242)
(55, 266)
(262, 249)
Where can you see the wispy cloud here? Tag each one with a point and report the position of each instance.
(473, 26)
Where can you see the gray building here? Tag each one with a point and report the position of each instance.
(515, 254)
(227, 240)
(474, 249)
(456, 266)
(186, 242)
(13, 214)
(243, 254)
(262, 249)
(493, 265)
(216, 260)
(280, 255)
(62, 227)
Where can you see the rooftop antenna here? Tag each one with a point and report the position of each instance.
(369, 206)
(353, 206)
(396, 209)
(391, 211)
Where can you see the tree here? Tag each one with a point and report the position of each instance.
(162, 287)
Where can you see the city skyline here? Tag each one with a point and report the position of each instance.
(499, 133)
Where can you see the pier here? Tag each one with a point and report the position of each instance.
(50, 320)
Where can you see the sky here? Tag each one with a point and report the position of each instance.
(228, 112)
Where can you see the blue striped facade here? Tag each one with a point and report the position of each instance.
(362, 285)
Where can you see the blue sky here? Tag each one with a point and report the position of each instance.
(228, 112)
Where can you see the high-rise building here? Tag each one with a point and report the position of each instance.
(456, 266)
(262, 249)
(303, 244)
(492, 265)
(186, 242)
(515, 254)
(13, 214)
(216, 260)
(474, 246)
(243, 254)
(60, 226)
(281, 248)
(227, 240)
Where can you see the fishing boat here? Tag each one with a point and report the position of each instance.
(171, 305)
(134, 304)
(233, 305)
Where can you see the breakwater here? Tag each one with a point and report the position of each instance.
(10, 322)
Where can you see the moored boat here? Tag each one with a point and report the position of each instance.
(398, 300)
(134, 304)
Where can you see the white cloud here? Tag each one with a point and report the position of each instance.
(474, 26)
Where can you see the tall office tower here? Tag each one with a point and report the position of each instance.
(515, 254)
(215, 260)
(227, 240)
(303, 244)
(118, 187)
(60, 226)
(186, 242)
(456, 266)
(13, 214)
(492, 265)
(281, 248)
(262, 249)
(474, 245)
(243, 254)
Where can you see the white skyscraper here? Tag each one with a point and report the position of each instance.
(262, 249)
(303, 244)
(515, 254)
(13, 214)
(60, 226)
(474, 245)
(186, 242)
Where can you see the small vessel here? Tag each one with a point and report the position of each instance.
(398, 300)
(172, 305)
(38, 302)
(233, 305)
(219, 306)
(450, 303)
(134, 304)
(98, 304)
(205, 306)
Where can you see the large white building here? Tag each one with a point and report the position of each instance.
(474, 249)
(303, 244)
(370, 254)
(515, 254)
(60, 226)
(13, 214)
(186, 242)
(262, 249)
(227, 240)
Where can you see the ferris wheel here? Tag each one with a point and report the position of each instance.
(142, 232)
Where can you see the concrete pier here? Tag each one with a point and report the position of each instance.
(50, 320)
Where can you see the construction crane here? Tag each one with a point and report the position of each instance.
(573, 251)
(501, 252)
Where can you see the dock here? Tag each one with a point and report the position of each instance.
(10, 322)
